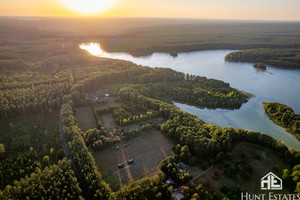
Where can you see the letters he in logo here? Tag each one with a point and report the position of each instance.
(271, 182)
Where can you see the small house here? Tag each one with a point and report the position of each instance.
(110, 134)
(182, 166)
(177, 196)
(113, 134)
(170, 182)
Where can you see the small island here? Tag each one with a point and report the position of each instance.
(260, 66)
(284, 116)
(174, 53)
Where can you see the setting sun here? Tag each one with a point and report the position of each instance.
(92, 48)
(88, 7)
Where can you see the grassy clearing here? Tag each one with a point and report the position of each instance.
(85, 118)
(107, 101)
(269, 162)
(111, 89)
(108, 120)
(147, 151)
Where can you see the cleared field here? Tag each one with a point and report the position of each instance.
(268, 162)
(108, 101)
(111, 89)
(108, 120)
(85, 118)
(147, 151)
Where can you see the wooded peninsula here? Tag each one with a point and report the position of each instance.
(284, 116)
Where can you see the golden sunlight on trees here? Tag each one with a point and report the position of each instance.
(2, 149)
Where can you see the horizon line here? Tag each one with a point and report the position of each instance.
(147, 17)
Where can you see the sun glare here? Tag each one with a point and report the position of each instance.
(92, 48)
(88, 7)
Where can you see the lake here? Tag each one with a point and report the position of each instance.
(281, 85)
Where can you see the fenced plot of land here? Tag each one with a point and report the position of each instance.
(267, 162)
(85, 118)
(138, 125)
(108, 120)
(146, 150)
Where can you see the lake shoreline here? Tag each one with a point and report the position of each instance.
(279, 86)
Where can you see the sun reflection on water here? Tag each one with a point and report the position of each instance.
(92, 48)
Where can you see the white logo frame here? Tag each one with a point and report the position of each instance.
(271, 182)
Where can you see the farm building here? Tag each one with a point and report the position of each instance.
(182, 166)
(170, 182)
(177, 196)
(113, 134)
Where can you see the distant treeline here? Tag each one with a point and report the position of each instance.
(145, 36)
(274, 57)
(284, 116)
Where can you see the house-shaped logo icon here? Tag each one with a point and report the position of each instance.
(271, 182)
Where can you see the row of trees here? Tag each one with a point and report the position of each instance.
(147, 188)
(125, 134)
(89, 177)
(156, 188)
(123, 117)
(284, 116)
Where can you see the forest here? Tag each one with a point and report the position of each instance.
(289, 58)
(142, 37)
(284, 116)
(45, 77)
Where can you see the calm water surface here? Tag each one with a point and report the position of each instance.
(281, 85)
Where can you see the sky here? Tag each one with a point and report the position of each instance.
(206, 9)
